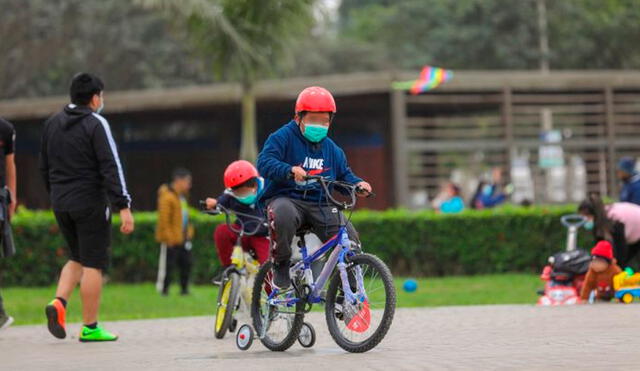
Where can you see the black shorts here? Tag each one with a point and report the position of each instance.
(88, 234)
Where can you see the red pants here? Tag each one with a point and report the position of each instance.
(225, 239)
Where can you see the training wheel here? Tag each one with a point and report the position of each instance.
(307, 335)
(244, 337)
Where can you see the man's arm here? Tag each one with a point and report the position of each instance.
(43, 160)
(12, 182)
(270, 160)
(110, 166)
(10, 167)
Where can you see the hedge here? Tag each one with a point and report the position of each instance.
(508, 239)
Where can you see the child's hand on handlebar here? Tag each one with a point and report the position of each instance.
(363, 189)
(211, 203)
(298, 173)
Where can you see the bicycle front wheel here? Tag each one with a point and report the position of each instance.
(358, 326)
(227, 300)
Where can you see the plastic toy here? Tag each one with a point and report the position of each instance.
(564, 275)
(627, 286)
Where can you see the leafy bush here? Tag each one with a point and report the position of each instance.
(508, 239)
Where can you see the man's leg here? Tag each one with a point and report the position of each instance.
(5, 319)
(162, 268)
(171, 262)
(284, 220)
(70, 276)
(2, 312)
(184, 260)
(94, 239)
(90, 291)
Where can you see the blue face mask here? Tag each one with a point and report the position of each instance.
(315, 133)
(248, 199)
(251, 198)
(588, 225)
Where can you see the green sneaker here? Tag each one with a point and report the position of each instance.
(97, 334)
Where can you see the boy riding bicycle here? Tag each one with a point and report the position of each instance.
(298, 149)
(243, 187)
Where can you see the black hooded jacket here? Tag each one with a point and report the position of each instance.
(79, 161)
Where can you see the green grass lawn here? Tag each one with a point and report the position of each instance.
(137, 301)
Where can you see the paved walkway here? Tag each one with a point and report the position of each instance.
(598, 337)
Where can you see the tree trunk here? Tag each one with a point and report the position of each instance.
(248, 145)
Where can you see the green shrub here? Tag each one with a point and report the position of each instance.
(508, 239)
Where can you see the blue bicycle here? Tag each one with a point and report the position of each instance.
(359, 302)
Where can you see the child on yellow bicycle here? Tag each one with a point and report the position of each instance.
(243, 187)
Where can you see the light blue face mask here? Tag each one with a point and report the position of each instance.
(251, 198)
(588, 225)
(315, 133)
(248, 199)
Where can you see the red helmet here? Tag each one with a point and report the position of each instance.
(239, 172)
(315, 99)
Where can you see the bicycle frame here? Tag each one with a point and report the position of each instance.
(340, 244)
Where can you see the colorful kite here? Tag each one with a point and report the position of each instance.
(430, 78)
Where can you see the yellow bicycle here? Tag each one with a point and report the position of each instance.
(236, 283)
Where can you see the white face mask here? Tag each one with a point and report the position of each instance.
(101, 106)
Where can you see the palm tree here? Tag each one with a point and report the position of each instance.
(244, 40)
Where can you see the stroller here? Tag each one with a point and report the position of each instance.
(564, 275)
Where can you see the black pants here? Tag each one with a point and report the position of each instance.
(287, 216)
(178, 255)
(88, 234)
(624, 253)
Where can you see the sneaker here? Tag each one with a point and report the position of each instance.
(5, 321)
(281, 277)
(95, 335)
(56, 314)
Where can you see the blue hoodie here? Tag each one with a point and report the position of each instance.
(631, 190)
(287, 147)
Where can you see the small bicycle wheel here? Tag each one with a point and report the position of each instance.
(244, 337)
(277, 326)
(307, 337)
(227, 298)
(360, 325)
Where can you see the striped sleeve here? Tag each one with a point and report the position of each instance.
(110, 166)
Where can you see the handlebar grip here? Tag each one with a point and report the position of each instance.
(362, 190)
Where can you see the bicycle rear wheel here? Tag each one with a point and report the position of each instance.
(277, 326)
(359, 326)
(227, 301)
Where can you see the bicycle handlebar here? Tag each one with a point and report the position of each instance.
(219, 209)
(351, 188)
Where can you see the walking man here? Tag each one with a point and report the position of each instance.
(8, 197)
(82, 172)
(174, 231)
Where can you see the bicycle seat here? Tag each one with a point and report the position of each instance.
(304, 230)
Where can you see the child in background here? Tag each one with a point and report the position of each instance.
(601, 271)
(448, 200)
